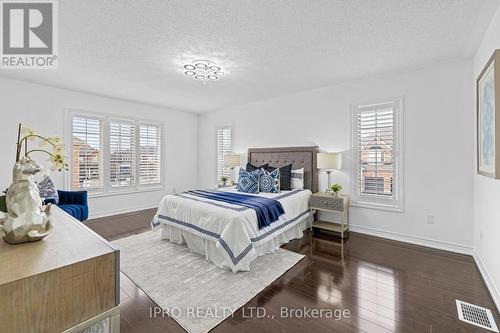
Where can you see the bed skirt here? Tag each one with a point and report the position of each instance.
(209, 249)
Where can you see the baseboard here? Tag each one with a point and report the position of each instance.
(119, 212)
(495, 294)
(421, 241)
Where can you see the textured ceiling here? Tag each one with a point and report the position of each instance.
(135, 49)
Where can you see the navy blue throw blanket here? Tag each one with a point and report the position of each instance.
(268, 210)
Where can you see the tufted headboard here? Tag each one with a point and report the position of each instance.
(299, 157)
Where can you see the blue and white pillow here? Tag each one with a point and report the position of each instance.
(269, 181)
(248, 182)
(48, 190)
(298, 179)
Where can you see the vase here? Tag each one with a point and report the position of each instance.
(335, 194)
(26, 220)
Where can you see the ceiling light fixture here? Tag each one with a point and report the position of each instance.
(203, 70)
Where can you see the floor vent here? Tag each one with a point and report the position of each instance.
(476, 315)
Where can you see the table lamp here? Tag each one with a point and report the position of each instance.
(329, 162)
(232, 161)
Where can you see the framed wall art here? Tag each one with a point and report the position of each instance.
(488, 118)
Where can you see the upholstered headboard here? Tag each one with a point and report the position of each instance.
(299, 157)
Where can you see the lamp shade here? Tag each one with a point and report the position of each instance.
(329, 161)
(232, 160)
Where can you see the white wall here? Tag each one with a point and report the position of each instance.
(487, 190)
(437, 145)
(43, 108)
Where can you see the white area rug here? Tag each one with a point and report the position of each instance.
(196, 293)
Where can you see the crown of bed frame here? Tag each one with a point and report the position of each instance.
(299, 157)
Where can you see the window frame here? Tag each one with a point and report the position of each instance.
(107, 189)
(110, 188)
(69, 139)
(375, 201)
(138, 153)
(231, 145)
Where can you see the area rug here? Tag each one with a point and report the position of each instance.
(192, 291)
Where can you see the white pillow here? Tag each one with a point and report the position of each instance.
(297, 179)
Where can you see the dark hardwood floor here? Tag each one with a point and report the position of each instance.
(387, 286)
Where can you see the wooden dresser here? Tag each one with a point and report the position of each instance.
(66, 282)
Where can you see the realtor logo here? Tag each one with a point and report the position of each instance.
(29, 34)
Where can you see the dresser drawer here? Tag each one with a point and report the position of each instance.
(327, 202)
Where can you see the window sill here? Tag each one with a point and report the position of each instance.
(376, 206)
(125, 192)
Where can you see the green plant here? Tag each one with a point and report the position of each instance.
(224, 178)
(336, 188)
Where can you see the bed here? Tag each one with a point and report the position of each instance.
(228, 234)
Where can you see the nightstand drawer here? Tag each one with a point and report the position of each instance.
(327, 202)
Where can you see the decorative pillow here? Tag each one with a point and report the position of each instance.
(251, 167)
(269, 181)
(298, 179)
(48, 190)
(285, 176)
(248, 182)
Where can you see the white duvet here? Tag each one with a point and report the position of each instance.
(233, 228)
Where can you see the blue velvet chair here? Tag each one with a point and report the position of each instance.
(74, 203)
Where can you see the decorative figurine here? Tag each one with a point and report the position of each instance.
(27, 219)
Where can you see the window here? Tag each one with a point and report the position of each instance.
(86, 154)
(114, 154)
(150, 157)
(375, 156)
(377, 141)
(224, 138)
(121, 153)
(374, 185)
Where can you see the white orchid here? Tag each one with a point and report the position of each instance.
(58, 162)
(56, 157)
(28, 133)
(58, 149)
(55, 141)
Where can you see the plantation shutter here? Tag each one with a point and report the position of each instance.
(86, 153)
(122, 167)
(150, 154)
(223, 148)
(375, 139)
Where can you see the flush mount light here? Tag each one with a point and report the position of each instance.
(203, 70)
